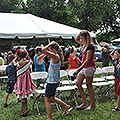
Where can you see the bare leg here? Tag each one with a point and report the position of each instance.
(91, 91)
(58, 101)
(48, 107)
(24, 107)
(80, 89)
(118, 102)
(6, 97)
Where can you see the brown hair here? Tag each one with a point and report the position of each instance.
(87, 37)
(59, 49)
(10, 52)
(21, 54)
(11, 57)
(107, 46)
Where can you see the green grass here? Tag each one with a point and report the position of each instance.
(103, 110)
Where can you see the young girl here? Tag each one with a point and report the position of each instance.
(115, 54)
(53, 78)
(39, 64)
(74, 62)
(24, 86)
(86, 70)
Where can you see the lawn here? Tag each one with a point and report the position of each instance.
(103, 110)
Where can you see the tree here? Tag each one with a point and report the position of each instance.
(55, 10)
(12, 6)
(96, 15)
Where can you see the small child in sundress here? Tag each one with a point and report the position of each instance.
(24, 86)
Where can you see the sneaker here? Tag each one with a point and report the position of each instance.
(67, 111)
(5, 105)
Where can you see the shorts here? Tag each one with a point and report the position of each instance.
(10, 87)
(51, 89)
(117, 85)
(88, 71)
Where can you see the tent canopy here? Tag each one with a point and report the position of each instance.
(25, 26)
(116, 41)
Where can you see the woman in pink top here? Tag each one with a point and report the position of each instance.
(86, 70)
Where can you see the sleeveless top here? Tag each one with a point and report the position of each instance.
(54, 71)
(84, 54)
(39, 66)
(74, 63)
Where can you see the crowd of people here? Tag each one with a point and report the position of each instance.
(52, 58)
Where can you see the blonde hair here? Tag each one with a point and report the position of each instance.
(87, 37)
(59, 49)
(10, 52)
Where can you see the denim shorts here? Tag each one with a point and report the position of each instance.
(10, 87)
(51, 89)
(88, 71)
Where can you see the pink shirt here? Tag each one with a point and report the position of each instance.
(84, 54)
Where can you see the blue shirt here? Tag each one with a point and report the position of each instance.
(11, 72)
(54, 72)
(39, 67)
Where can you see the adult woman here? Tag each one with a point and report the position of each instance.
(86, 70)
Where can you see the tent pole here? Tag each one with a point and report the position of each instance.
(48, 40)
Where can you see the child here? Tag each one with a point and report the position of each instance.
(39, 64)
(24, 86)
(73, 59)
(11, 73)
(105, 56)
(53, 78)
(86, 70)
(115, 54)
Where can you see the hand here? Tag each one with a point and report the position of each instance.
(75, 73)
(52, 43)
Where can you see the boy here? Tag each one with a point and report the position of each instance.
(11, 73)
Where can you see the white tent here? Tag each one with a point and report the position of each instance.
(26, 26)
(116, 41)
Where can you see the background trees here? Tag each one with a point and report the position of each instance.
(93, 15)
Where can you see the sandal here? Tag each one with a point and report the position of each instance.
(87, 109)
(81, 107)
(115, 109)
(67, 111)
(5, 105)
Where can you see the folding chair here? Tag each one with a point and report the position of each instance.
(35, 76)
(1, 81)
(2, 68)
(67, 86)
(101, 83)
(106, 70)
(109, 78)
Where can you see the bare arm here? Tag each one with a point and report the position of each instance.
(88, 57)
(78, 39)
(39, 59)
(27, 56)
(52, 55)
(74, 52)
